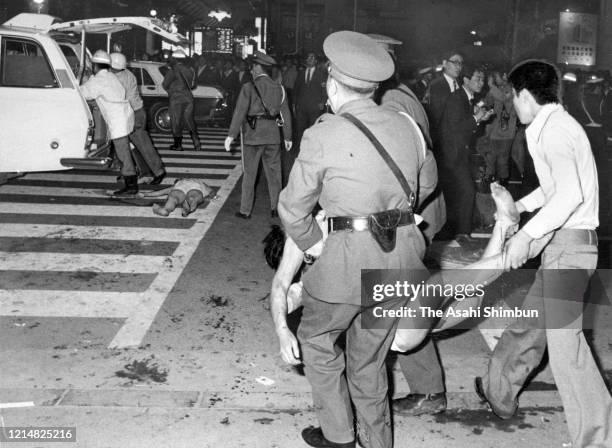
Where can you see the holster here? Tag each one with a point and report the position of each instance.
(252, 121)
(383, 226)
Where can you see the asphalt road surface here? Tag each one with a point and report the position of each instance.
(143, 331)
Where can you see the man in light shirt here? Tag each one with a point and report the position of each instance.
(567, 200)
(139, 136)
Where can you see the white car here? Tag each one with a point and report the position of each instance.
(46, 123)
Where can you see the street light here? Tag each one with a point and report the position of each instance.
(153, 13)
(220, 14)
(39, 5)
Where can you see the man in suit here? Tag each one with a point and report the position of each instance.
(439, 90)
(310, 95)
(339, 168)
(460, 120)
(205, 72)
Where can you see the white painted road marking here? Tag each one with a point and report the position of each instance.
(138, 308)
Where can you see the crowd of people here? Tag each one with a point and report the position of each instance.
(364, 171)
(370, 166)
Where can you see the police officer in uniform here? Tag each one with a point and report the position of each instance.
(340, 168)
(178, 82)
(262, 108)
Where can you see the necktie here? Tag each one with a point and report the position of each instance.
(308, 75)
(455, 85)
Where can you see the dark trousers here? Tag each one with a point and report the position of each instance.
(459, 193)
(251, 155)
(141, 140)
(361, 378)
(181, 114)
(498, 158)
(422, 369)
(122, 149)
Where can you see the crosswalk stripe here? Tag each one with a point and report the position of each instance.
(36, 303)
(88, 232)
(68, 209)
(65, 176)
(130, 264)
(79, 215)
(137, 325)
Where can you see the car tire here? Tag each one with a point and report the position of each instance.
(160, 118)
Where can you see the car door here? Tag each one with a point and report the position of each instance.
(44, 117)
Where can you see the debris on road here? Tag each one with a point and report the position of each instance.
(145, 370)
(217, 300)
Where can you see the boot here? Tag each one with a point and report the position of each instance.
(130, 188)
(177, 145)
(196, 141)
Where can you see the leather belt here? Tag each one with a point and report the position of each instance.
(575, 236)
(361, 223)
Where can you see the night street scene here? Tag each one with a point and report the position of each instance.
(306, 223)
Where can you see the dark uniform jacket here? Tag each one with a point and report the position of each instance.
(179, 86)
(339, 168)
(266, 132)
(457, 128)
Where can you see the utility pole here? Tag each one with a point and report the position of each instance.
(354, 15)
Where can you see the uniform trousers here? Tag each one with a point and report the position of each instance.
(586, 400)
(359, 374)
(251, 155)
(180, 109)
(140, 138)
(122, 149)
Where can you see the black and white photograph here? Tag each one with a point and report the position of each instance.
(306, 223)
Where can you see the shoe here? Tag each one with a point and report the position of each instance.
(130, 188)
(504, 415)
(314, 437)
(419, 404)
(242, 215)
(274, 214)
(196, 141)
(158, 179)
(177, 145)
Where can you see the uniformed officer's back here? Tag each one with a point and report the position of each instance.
(357, 181)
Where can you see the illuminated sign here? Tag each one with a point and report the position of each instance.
(577, 38)
(215, 40)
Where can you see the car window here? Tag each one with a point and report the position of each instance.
(24, 64)
(71, 57)
(147, 80)
(137, 73)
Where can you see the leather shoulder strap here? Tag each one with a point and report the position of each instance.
(266, 110)
(385, 155)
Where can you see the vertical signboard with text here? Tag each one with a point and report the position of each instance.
(577, 39)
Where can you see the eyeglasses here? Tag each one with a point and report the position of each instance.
(456, 62)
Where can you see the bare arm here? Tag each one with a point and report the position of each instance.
(289, 266)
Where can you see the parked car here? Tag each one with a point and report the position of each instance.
(46, 123)
(210, 105)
